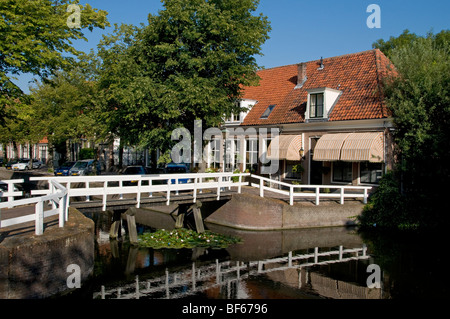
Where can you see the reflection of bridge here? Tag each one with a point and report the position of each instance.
(120, 192)
(225, 274)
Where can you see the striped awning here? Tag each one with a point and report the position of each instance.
(350, 147)
(285, 147)
(329, 146)
(360, 147)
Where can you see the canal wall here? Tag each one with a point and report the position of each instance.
(34, 266)
(251, 212)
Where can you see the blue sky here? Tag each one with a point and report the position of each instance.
(302, 30)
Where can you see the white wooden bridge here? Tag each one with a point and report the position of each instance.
(109, 191)
(190, 281)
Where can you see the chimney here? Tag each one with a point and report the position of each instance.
(301, 75)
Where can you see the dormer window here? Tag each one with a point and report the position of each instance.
(316, 105)
(320, 103)
(237, 118)
(267, 112)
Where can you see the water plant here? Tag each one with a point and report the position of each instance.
(185, 238)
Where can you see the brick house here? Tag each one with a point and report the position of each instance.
(331, 117)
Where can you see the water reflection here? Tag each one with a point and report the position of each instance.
(310, 263)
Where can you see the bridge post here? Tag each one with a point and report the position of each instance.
(39, 222)
(195, 190)
(115, 226)
(131, 221)
(198, 217)
(291, 195)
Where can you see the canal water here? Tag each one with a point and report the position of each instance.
(335, 263)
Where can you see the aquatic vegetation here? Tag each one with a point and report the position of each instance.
(185, 238)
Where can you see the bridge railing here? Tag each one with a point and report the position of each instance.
(11, 189)
(57, 197)
(144, 185)
(304, 191)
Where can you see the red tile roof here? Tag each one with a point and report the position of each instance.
(358, 76)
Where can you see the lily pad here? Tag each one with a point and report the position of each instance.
(185, 238)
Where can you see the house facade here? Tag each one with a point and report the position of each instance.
(333, 125)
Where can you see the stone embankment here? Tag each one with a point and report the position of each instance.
(34, 266)
(251, 212)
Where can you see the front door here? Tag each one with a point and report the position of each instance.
(316, 173)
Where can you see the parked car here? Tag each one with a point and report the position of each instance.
(173, 168)
(10, 164)
(64, 169)
(82, 168)
(37, 163)
(1, 162)
(134, 170)
(24, 164)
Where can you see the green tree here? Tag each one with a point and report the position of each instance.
(419, 100)
(35, 38)
(190, 62)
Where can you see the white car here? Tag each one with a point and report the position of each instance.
(24, 165)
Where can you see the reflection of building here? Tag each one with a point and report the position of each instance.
(331, 116)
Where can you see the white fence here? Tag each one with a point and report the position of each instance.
(144, 185)
(60, 189)
(296, 190)
(11, 189)
(57, 198)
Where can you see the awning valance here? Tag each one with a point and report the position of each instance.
(360, 147)
(351, 147)
(285, 147)
(329, 146)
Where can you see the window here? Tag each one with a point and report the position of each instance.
(370, 173)
(251, 160)
(290, 170)
(234, 118)
(215, 152)
(268, 111)
(233, 157)
(342, 172)
(316, 105)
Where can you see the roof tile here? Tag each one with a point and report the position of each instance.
(357, 75)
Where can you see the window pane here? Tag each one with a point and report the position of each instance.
(342, 172)
(319, 105)
(319, 99)
(371, 172)
(313, 106)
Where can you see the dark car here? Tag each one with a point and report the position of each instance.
(133, 170)
(64, 169)
(11, 163)
(177, 169)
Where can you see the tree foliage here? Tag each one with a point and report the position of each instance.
(64, 108)
(190, 62)
(35, 38)
(419, 100)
